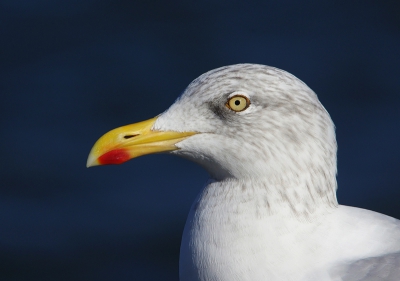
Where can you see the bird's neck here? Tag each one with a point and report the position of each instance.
(301, 198)
(232, 219)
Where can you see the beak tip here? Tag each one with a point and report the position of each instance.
(91, 161)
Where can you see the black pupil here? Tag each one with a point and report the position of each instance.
(237, 102)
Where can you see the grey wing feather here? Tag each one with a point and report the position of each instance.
(382, 268)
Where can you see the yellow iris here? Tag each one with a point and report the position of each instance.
(238, 103)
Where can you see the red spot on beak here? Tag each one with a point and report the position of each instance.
(116, 156)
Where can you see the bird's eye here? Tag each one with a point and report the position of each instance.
(238, 103)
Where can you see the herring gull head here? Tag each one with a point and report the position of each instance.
(283, 134)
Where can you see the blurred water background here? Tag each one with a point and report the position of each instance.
(72, 70)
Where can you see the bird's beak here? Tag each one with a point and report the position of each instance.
(127, 142)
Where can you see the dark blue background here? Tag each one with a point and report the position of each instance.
(72, 70)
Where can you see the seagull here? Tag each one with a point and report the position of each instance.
(269, 211)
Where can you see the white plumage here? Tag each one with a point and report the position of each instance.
(270, 211)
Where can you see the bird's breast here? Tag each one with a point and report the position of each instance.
(226, 238)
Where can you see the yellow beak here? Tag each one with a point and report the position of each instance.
(127, 142)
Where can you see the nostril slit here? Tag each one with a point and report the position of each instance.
(130, 136)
